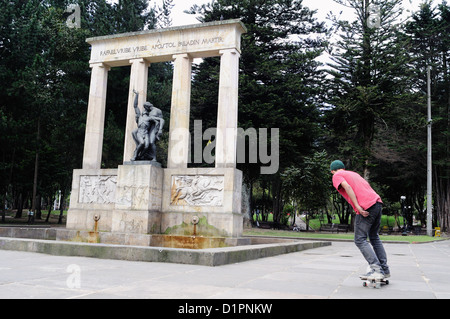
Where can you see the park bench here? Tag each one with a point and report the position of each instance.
(335, 228)
(264, 225)
(343, 228)
(386, 230)
(328, 228)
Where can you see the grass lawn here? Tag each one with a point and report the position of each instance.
(348, 236)
(315, 224)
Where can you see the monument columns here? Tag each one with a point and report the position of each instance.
(180, 110)
(138, 82)
(227, 113)
(93, 144)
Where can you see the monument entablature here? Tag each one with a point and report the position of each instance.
(159, 45)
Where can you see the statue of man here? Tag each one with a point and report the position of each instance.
(150, 124)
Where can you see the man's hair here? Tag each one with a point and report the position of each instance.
(337, 165)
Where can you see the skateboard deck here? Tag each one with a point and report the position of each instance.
(374, 283)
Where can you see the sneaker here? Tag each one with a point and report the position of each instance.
(372, 275)
(387, 275)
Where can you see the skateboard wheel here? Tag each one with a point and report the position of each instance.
(364, 284)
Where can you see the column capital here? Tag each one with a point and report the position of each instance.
(100, 65)
(139, 60)
(232, 51)
(182, 55)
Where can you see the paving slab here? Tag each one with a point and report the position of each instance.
(419, 271)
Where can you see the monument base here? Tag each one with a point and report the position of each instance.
(153, 163)
(93, 194)
(138, 199)
(147, 199)
(126, 200)
(211, 196)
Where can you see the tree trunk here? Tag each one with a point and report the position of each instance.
(3, 208)
(49, 209)
(276, 188)
(36, 167)
(61, 206)
(20, 206)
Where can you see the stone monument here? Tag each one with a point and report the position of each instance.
(140, 197)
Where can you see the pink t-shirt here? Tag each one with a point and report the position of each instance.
(365, 195)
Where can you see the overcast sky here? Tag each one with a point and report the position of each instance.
(323, 6)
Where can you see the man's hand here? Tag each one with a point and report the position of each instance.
(362, 211)
(352, 196)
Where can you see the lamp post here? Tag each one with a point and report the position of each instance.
(429, 161)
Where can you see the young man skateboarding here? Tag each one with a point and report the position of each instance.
(367, 205)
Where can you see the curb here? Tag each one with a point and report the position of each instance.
(205, 257)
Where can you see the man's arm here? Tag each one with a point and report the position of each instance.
(351, 194)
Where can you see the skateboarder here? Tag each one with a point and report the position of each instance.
(367, 205)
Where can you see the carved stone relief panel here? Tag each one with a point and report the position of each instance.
(197, 190)
(97, 189)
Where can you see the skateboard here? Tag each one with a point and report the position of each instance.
(374, 283)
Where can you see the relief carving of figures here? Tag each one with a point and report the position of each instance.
(97, 189)
(199, 190)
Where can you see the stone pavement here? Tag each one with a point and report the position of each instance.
(418, 271)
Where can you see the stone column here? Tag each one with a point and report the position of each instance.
(93, 144)
(179, 115)
(227, 114)
(138, 82)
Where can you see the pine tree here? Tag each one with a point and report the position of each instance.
(428, 31)
(44, 73)
(279, 80)
(369, 65)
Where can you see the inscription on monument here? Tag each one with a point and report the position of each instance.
(160, 45)
(198, 190)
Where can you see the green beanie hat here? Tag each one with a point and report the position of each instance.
(337, 165)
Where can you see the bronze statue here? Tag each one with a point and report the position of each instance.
(150, 124)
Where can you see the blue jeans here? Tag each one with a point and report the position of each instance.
(368, 227)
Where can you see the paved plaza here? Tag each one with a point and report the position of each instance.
(418, 271)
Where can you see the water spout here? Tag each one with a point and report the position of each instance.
(195, 221)
(94, 236)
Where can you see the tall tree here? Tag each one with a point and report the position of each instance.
(368, 68)
(279, 79)
(44, 88)
(428, 30)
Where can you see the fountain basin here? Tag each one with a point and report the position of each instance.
(205, 257)
(187, 242)
(238, 250)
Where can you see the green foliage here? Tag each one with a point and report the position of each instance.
(368, 72)
(279, 81)
(44, 88)
(308, 184)
(430, 46)
(368, 109)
